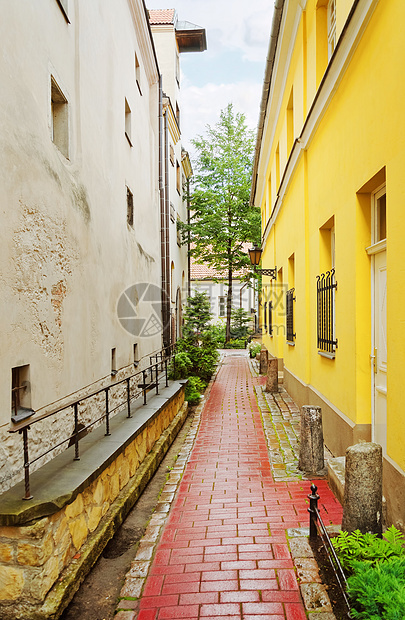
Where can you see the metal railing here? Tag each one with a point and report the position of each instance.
(325, 296)
(150, 380)
(317, 526)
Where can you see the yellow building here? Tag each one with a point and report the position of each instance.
(329, 176)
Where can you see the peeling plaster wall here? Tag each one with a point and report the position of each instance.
(67, 252)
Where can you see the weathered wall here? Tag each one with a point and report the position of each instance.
(67, 252)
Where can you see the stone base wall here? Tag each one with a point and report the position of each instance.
(32, 557)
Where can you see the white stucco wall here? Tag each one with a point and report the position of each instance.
(215, 290)
(67, 252)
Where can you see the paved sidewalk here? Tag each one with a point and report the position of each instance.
(224, 552)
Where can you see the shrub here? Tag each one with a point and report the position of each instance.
(376, 585)
(194, 389)
(180, 366)
(218, 332)
(368, 547)
(236, 344)
(378, 591)
(254, 347)
(240, 323)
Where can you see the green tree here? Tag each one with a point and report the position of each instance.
(240, 323)
(222, 218)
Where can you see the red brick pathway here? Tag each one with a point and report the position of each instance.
(223, 552)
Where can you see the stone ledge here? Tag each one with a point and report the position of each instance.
(60, 481)
(70, 580)
(336, 477)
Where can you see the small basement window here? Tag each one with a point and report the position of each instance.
(59, 119)
(130, 208)
(20, 393)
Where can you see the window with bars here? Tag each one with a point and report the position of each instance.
(265, 316)
(325, 293)
(290, 298)
(270, 308)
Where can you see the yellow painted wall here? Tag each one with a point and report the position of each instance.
(361, 132)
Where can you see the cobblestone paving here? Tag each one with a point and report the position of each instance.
(222, 548)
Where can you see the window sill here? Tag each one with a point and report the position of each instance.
(329, 356)
(290, 344)
(380, 246)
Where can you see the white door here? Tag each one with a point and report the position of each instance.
(379, 355)
(380, 350)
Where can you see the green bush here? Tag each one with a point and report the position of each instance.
(236, 344)
(240, 323)
(254, 347)
(376, 584)
(194, 388)
(218, 332)
(378, 592)
(368, 547)
(180, 366)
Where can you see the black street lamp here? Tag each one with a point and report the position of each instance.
(255, 254)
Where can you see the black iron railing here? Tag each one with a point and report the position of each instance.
(135, 385)
(317, 526)
(265, 316)
(325, 294)
(290, 314)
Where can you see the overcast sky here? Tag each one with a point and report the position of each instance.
(231, 69)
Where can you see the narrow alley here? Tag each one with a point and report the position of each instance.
(222, 546)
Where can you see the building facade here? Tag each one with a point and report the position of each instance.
(172, 38)
(328, 178)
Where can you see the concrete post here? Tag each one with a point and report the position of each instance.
(311, 447)
(272, 375)
(362, 505)
(263, 361)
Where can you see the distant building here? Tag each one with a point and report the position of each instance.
(215, 285)
(328, 176)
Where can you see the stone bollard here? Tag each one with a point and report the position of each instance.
(272, 375)
(311, 446)
(362, 504)
(263, 361)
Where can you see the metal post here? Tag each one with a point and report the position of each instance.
(144, 386)
(128, 397)
(313, 507)
(77, 456)
(157, 377)
(107, 415)
(26, 464)
(167, 379)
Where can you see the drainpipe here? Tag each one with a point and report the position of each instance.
(168, 330)
(162, 216)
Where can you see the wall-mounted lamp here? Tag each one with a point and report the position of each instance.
(255, 254)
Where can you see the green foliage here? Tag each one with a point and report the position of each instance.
(254, 348)
(368, 547)
(180, 366)
(240, 323)
(378, 591)
(237, 343)
(222, 218)
(196, 353)
(194, 388)
(218, 334)
(197, 316)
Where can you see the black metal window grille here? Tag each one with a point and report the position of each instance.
(325, 293)
(290, 314)
(265, 316)
(270, 318)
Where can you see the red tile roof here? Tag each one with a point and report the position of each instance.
(203, 272)
(161, 16)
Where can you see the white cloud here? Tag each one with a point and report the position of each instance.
(203, 106)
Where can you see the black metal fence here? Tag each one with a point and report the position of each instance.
(143, 381)
(317, 527)
(290, 315)
(325, 295)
